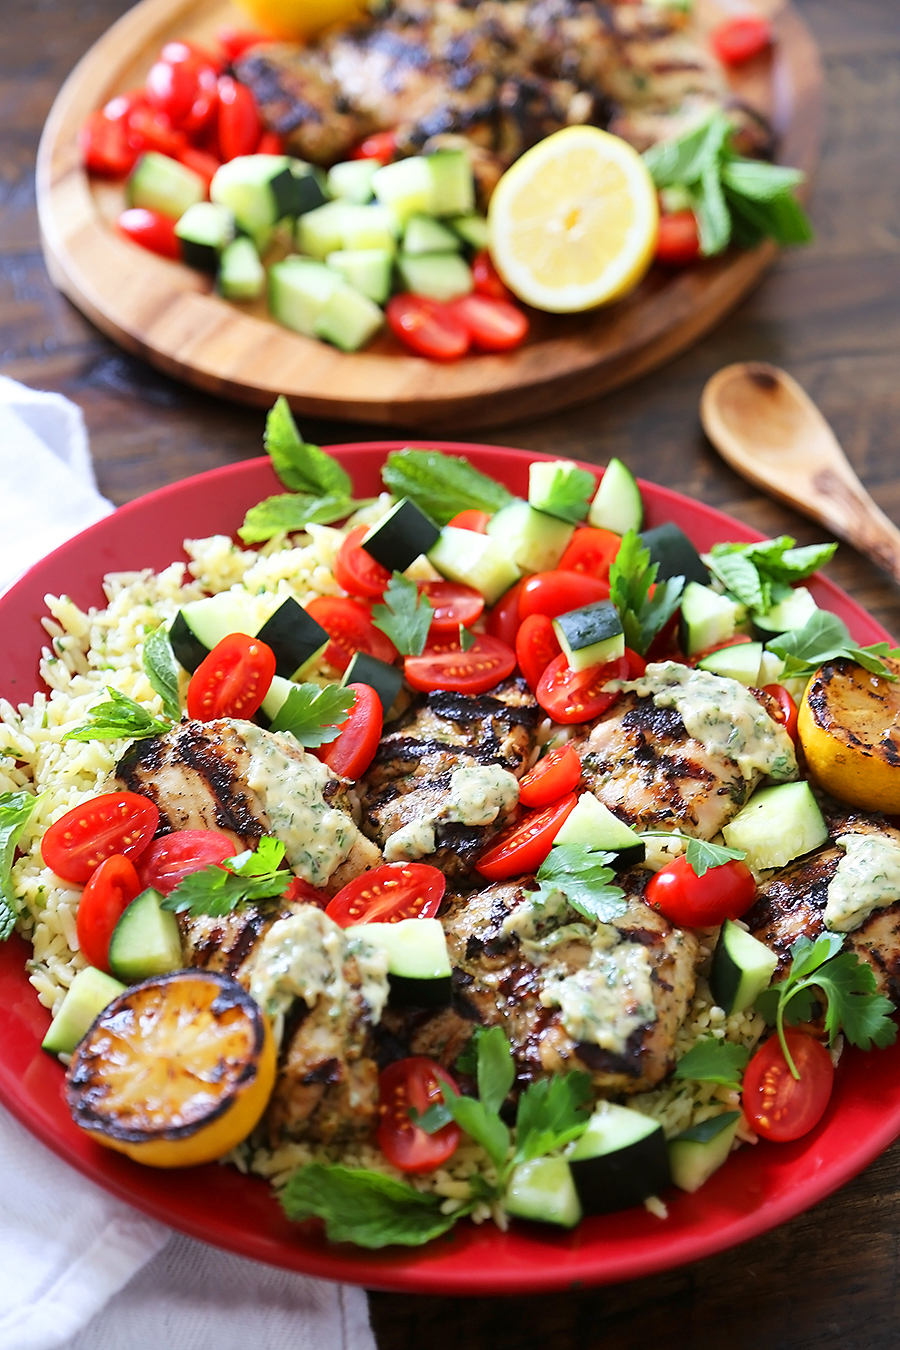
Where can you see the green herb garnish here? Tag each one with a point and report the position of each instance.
(368, 1208)
(442, 485)
(714, 1061)
(219, 889)
(583, 875)
(405, 617)
(313, 715)
(161, 670)
(761, 575)
(630, 578)
(825, 637)
(300, 466)
(291, 512)
(702, 856)
(16, 809)
(466, 638)
(120, 718)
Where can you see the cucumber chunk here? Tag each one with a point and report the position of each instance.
(201, 624)
(371, 226)
(593, 824)
(590, 636)
(352, 180)
(241, 274)
(619, 1161)
(742, 967)
(367, 270)
(401, 536)
(424, 235)
(543, 1190)
(419, 972)
(159, 183)
(205, 230)
(472, 230)
(299, 290)
(348, 319)
(384, 679)
(321, 231)
(673, 551)
(707, 618)
(89, 993)
(475, 560)
(777, 825)
(263, 189)
(405, 186)
(617, 505)
(146, 941)
(793, 612)
(276, 696)
(533, 540)
(701, 1150)
(739, 663)
(560, 488)
(452, 191)
(439, 276)
(294, 637)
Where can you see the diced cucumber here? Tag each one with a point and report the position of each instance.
(676, 556)
(560, 488)
(205, 230)
(383, 678)
(299, 290)
(543, 1190)
(701, 1150)
(276, 696)
(472, 230)
(321, 231)
(294, 637)
(159, 183)
(707, 618)
(476, 560)
(371, 226)
(241, 274)
(619, 1161)
(348, 319)
(742, 967)
(452, 183)
(770, 668)
(89, 993)
(439, 276)
(534, 541)
(777, 825)
(419, 972)
(367, 270)
(593, 824)
(146, 941)
(401, 536)
(406, 186)
(200, 624)
(425, 235)
(740, 663)
(792, 612)
(590, 636)
(263, 189)
(617, 505)
(352, 180)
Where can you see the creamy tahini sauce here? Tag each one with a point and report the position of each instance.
(608, 999)
(477, 796)
(722, 715)
(867, 878)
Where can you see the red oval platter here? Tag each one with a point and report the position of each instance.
(758, 1188)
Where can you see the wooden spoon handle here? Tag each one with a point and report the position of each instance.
(847, 509)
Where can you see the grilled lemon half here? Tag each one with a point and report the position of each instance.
(850, 731)
(175, 1071)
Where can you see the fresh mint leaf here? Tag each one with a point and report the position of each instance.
(714, 1061)
(219, 889)
(466, 638)
(405, 617)
(583, 875)
(161, 670)
(759, 180)
(367, 1208)
(630, 578)
(484, 1126)
(824, 637)
(740, 577)
(711, 210)
(684, 160)
(551, 1113)
(312, 714)
(782, 219)
(701, 856)
(495, 1070)
(16, 809)
(302, 467)
(761, 574)
(120, 718)
(290, 512)
(442, 485)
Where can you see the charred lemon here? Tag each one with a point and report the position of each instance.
(850, 731)
(175, 1071)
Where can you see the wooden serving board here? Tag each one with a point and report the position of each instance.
(170, 315)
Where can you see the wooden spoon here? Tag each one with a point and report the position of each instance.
(768, 429)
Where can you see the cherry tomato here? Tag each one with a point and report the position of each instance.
(108, 892)
(356, 570)
(427, 327)
(166, 863)
(388, 894)
(493, 325)
(678, 240)
(551, 778)
(523, 847)
(349, 625)
(235, 41)
(183, 84)
(201, 161)
(270, 143)
(116, 822)
(233, 680)
(787, 707)
(447, 666)
(636, 664)
(722, 893)
(453, 604)
(536, 646)
(152, 130)
(578, 695)
(557, 592)
(351, 754)
(471, 520)
(300, 890)
(778, 1105)
(591, 551)
(105, 145)
(503, 620)
(486, 278)
(414, 1082)
(238, 121)
(741, 38)
(381, 146)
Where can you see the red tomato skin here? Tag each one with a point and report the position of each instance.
(349, 625)
(591, 551)
(637, 666)
(678, 239)
(578, 696)
(388, 894)
(201, 161)
(115, 822)
(453, 604)
(446, 666)
(301, 890)
(486, 278)
(504, 619)
(427, 327)
(556, 592)
(151, 230)
(233, 680)
(235, 41)
(789, 710)
(182, 84)
(722, 893)
(108, 892)
(354, 749)
(105, 146)
(536, 646)
(238, 120)
(523, 847)
(741, 38)
(381, 146)
(175, 856)
(414, 1082)
(152, 130)
(493, 325)
(356, 571)
(551, 778)
(779, 1106)
(270, 143)
(477, 521)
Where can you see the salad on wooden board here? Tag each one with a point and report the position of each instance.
(450, 854)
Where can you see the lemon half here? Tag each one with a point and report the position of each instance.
(573, 223)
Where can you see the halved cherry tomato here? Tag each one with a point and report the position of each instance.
(427, 327)
(152, 130)
(388, 894)
(778, 1105)
(351, 754)
(447, 666)
(787, 706)
(349, 625)
(415, 1082)
(678, 239)
(556, 592)
(453, 604)
(233, 680)
(201, 161)
(741, 38)
(471, 520)
(486, 278)
(591, 551)
(493, 325)
(578, 695)
(109, 891)
(381, 146)
(105, 145)
(637, 666)
(356, 570)
(238, 121)
(270, 143)
(183, 85)
(536, 646)
(551, 778)
(736, 641)
(301, 890)
(115, 822)
(151, 230)
(235, 41)
(504, 619)
(166, 863)
(523, 847)
(722, 893)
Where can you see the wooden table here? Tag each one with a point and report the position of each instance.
(831, 315)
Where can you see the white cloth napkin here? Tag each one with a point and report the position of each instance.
(79, 1269)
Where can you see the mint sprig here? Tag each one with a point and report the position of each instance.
(119, 718)
(714, 1061)
(824, 637)
(760, 575)
(16, 809)
(442, 485)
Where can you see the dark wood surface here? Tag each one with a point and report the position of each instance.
(829, 314)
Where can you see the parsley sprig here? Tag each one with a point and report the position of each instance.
(405, 617)
(825, 637)
(119, 718)
(761, 575)
(313, 715)
(219, 889)
(583, 875)
(630, 578)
